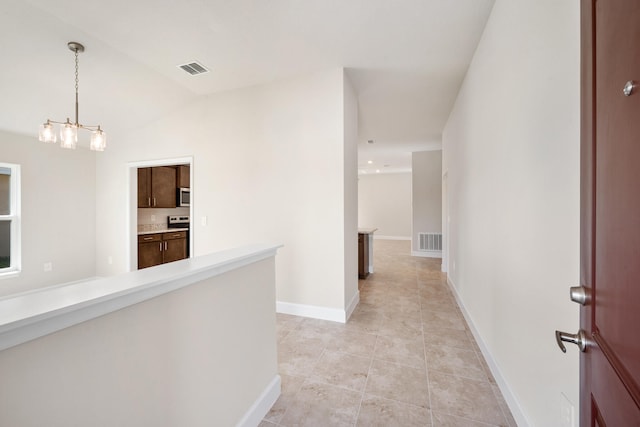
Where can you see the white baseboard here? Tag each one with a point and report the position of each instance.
(352, 305)
(379, 237)
(509, 397)
(316, 312)
(427, 254)
(262, 405)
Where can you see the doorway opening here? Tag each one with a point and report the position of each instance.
(159, 211)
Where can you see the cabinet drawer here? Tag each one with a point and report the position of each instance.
(149, 238)
(175, 235)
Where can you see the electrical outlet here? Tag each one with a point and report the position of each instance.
(153, 218)
(110, 260)
(454, 266)
(567, 412)
(48, 266)
(204, 221)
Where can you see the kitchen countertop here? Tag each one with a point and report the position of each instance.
(366, 230)
(164, 230)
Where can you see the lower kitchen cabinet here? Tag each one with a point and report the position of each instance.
(160, 248)
(149, 250)
(175, 246)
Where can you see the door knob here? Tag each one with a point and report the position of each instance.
(580, 339)
(579, 294)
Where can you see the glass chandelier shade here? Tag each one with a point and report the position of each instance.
(68, 135)
(69, 129)
(98, 140)
(47, 133)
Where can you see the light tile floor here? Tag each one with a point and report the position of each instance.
(405, 358)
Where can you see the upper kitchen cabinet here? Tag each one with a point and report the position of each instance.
(144, 187)
(157, 187)
(184, 180)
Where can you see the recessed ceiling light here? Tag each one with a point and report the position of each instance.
(377, 170)
(370, 161)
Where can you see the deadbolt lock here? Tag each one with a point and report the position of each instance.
(580, 294)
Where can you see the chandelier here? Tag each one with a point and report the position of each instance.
(68, 129)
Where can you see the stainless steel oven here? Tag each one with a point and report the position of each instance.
(183, 222)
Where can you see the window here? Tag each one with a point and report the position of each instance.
(9, 219)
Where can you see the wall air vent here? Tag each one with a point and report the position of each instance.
(194, 68)
(430, 241)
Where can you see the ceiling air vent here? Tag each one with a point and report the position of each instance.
(194, 68)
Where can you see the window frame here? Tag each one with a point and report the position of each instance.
(14, 216)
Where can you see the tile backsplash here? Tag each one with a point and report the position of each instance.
(150, 219)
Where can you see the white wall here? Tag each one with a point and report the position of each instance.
(198, 356)
(511, 150)
(384, 202)
(268, 165)
(350, 170)
(58, 212)
(426, 188)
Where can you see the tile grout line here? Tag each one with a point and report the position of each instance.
(501, 398)
(366, 381)
(483, 365)
(426, 363)
(469, 419)
(305, 379)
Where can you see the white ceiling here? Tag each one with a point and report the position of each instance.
(405, 58)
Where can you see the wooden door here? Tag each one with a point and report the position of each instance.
(163, 187)
(610, 213)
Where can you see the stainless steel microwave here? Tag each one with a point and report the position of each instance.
(184, 197)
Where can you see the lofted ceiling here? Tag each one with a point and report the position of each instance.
(406, 60)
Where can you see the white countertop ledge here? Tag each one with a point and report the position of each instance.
(162, 231)
(35, 314)
(366, 230)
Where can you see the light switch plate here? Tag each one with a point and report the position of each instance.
(48, 266)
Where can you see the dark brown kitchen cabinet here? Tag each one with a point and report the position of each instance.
(184, 179)
(157, 187)
(161, 248)
(363, 255)
(149, 250)
(175, 246)
(144, 187)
